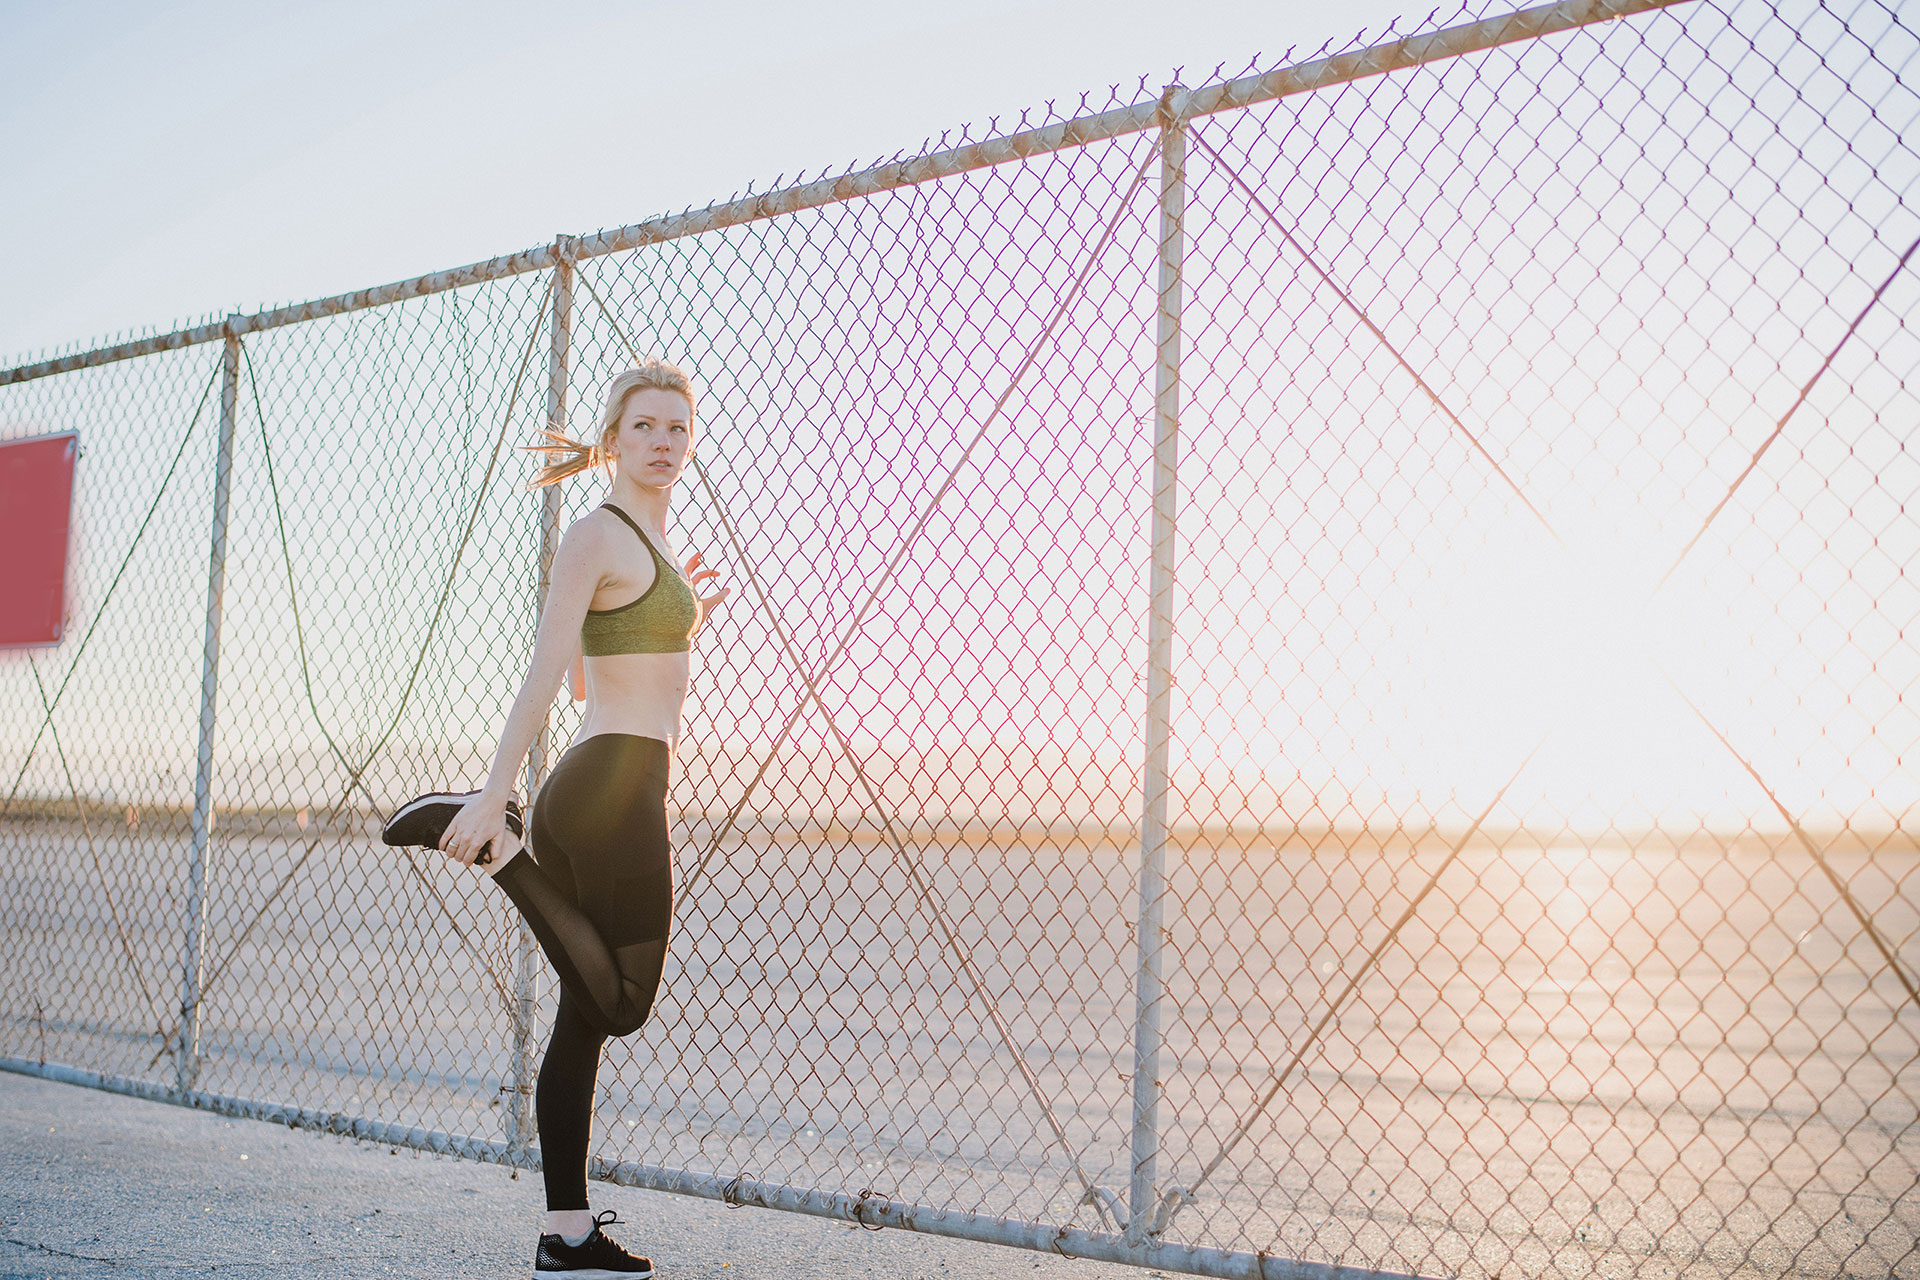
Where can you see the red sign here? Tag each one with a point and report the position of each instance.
(36, 507)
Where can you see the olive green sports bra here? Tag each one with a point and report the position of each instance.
(660, 621)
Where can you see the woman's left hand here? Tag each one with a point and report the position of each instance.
(697, 573)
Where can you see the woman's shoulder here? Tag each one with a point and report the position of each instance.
(600, 543)
(595, 526)
(590, 537)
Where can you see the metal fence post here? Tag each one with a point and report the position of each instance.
(526, 990)
(187, 1059)
(1153, 810)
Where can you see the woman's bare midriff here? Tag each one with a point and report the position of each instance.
(637, 693)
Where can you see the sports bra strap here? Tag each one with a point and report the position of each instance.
(608, 506)
(644, 539)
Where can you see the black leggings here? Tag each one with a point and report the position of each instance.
(598, 894)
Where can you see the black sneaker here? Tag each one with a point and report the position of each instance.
(595, 1258)
(424, 819)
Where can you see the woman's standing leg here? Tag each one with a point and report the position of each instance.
(598, 894)
(563, 1102)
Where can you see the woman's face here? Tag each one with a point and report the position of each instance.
(654, 437)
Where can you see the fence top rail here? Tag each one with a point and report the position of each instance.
(1210, 99)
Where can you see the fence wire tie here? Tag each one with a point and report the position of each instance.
(867, 1197)
(1108, 1205)
(1176, 1199)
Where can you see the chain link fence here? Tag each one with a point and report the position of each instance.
(1319, 680)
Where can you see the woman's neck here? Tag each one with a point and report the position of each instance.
(648, 505)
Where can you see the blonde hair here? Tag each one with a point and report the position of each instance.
(565, 455)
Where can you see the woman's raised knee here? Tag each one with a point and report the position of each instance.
(626, 1022)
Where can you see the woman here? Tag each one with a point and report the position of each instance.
(596, 882)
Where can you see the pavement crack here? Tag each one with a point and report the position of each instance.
(61, 1253)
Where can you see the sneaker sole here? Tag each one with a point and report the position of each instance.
(414, 823)
(592, 1273)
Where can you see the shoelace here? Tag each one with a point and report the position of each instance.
(599, 1242)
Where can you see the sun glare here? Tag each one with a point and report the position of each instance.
(1566, 653)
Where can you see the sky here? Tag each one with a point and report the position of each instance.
(164, 163)
(168, 167)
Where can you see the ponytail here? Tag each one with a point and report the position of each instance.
(564, 455)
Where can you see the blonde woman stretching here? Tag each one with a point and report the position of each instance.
(596, 883)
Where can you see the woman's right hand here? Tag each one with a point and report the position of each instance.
(480, 822)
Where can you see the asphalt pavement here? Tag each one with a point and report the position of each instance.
(97, 1184)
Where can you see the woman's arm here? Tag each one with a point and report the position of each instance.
(570, 587)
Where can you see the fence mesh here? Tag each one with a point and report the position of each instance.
(1540, 891)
